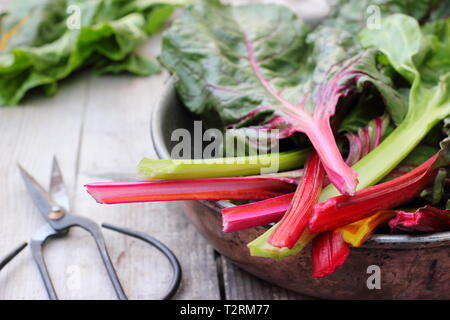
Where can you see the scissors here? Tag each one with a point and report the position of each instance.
(54, 208)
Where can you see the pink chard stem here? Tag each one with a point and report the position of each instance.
(329, 251)
(243, 188)
(340, 174)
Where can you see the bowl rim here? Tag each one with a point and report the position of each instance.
(163, 153)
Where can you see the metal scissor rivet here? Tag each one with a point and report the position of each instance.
(56, 213)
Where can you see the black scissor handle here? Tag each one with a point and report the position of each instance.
(47, 232)
(12, 255)
(176, 268)
(63, 225)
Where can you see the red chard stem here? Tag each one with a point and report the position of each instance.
(242, 188)
(296, 218)
(329, 251)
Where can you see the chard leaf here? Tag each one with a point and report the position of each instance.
(207, 51)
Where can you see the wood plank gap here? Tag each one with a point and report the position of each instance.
(220, 275)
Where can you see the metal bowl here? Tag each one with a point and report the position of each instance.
(410, 267)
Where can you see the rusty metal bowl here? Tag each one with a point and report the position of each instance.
(411, 267)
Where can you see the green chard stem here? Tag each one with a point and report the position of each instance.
(221, 167)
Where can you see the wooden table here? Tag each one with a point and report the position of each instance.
(98, 127)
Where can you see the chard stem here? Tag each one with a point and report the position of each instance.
(340, 174)
(296, 218)
(243, 188)
(220, 167)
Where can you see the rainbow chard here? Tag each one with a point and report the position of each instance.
(300, 207)
(366, 139)
(358, 232)
(232, 65)
(243, 188)
(272, 210)
(329, 251)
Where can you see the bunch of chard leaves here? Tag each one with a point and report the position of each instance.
(44, 41)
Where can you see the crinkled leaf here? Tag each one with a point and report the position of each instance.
(133, 63)
(39, 46)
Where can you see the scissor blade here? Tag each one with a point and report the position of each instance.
(41, 198)
(57, 189)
